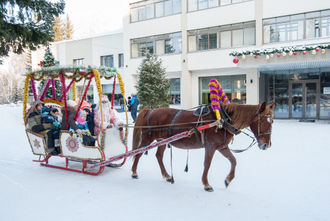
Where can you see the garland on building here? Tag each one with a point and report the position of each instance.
(282, 51)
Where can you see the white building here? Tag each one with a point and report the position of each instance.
(194, 39)
(100, 50)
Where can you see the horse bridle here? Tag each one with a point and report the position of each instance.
(269, 119)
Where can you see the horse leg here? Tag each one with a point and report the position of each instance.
(228, 154)
(134, 167)
(207, 163)
(159, 156)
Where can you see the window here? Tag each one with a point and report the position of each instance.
(89, 97)
(296, 27)
(174, 91)
(149, 9)
(108, 89)
(159, 44)
(234, 87)
(194, 5)
(230, 36)
(120, 60)
(78, 61)
(107, 61)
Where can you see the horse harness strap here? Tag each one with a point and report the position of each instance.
(173, 121)
(226, 120)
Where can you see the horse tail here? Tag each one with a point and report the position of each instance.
(137, 132)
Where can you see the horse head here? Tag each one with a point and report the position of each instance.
(261, 126)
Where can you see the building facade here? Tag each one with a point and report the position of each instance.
(195, 37)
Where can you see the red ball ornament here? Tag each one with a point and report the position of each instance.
(317, 49)
(278, 55)
(49, 63)
(235, 60)
(295, 53)
(304, 52)
(255, 56)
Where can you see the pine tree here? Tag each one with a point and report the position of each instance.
(152, 88)
(49, 61)
(58, 29)
(68, 28)
(19, 28)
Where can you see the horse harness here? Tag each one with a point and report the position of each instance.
(200, 112)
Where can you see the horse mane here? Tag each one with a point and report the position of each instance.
(241, 115)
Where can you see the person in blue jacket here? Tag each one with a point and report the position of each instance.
(134, 106)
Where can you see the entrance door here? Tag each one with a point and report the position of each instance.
(304, 99)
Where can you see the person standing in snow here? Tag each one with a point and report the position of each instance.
(34, 124)
(134, 106)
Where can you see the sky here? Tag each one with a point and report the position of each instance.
(94, 17)
(288, 182)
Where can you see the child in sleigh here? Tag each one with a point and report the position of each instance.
(85, 137)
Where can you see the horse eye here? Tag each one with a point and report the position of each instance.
(262, 122)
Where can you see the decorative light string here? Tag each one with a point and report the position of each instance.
(64, 89)
(33, 86)
(26, 93)
(113, 92)
(67, 89)
(74, 91)
(54, 89)
(44, 92)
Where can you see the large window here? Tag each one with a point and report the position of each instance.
(107, 61)
(78, 61)
(159, 44)
(174, 91)
(225, 36)
(296, 27)
(234, 87)
(148, 9)
(194, 5)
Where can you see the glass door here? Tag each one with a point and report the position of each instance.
(304, 99)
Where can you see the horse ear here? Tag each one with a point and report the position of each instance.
(272, 106)
(262, 107)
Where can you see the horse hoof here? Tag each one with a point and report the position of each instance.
(171, 180)
(135, 176)
(208, 189)
(226, 183)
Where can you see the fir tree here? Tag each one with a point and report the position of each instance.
(58, 29)
(27, 24)
(49, 61)
(152, 88)
(68, 28)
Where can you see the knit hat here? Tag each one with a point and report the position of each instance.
(81, 113)
(104, 98)
(87, 110)
(71, 103)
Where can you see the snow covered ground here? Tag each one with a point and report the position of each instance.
(288, 182)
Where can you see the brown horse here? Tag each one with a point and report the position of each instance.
(258, 117)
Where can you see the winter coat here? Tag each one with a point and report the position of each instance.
(90, 122)
(71, 121)
(34, 120)
(134, 103)
(34, 123)
(48, 117)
